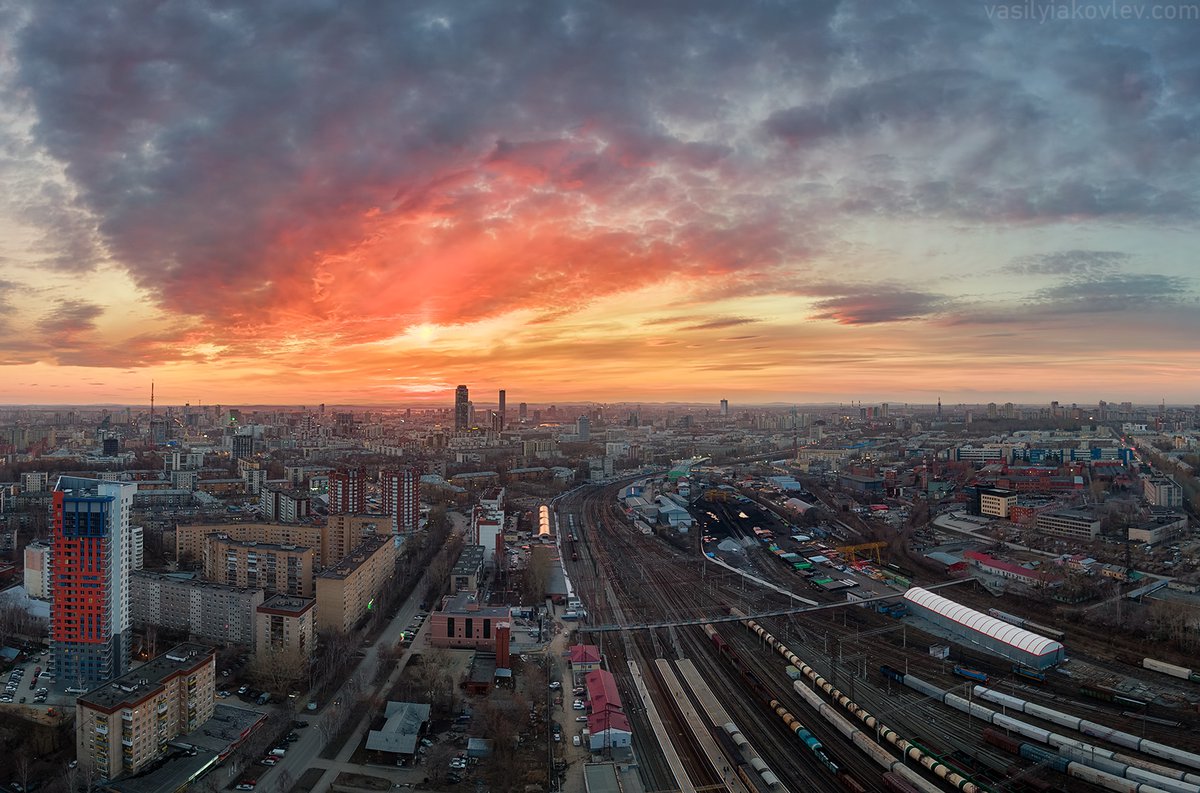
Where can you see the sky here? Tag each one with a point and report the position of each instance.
(293, 201)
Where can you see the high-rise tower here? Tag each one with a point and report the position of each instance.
(92, 560)
(348, 491)
(501, 411)
(461, 408)
(401, 490)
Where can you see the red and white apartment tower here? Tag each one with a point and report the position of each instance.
(348, 491)
(401, 498)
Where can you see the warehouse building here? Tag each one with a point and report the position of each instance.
(988, 633)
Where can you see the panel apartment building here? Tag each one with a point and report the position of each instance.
(330, 541)
(346, 593)
(221, 613)
(286, 569)
(122, 727)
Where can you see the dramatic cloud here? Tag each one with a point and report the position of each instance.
(279, 182)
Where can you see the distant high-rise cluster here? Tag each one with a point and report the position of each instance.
(462, 418)
(724, 407)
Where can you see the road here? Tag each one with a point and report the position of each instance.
(303, 754)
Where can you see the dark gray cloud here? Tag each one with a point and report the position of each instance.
(873, 307)
(1073, 262)
(1116, 292)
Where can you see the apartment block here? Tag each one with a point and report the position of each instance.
(283, 504)
(123, 726)
(37, 570)
(286, 569)
(286, 624)
(191, 539)
(92, 559)
(346, 592)
(343, 533)
(224, 614)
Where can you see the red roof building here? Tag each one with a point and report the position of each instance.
(584, 657)
(602, 691)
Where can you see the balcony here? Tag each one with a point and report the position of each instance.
(127, 742)
(162, 708)
(126, 716)
(102, 729)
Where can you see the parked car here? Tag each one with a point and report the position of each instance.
(247, 785)
(555, 685)
(578, 705)
(268, 761)
(575, 741)
(581, 719)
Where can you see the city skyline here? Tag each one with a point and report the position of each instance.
(798, 203)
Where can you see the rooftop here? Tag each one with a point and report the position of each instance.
(356, 558)
(134, 686)
(192, 582)
(469, 561)
(286, 604)
(467, 603)
(402, 728)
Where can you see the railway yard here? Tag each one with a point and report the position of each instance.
(753, 689)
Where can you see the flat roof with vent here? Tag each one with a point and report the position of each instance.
(136, 686)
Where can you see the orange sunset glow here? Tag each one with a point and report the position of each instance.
(770, 203)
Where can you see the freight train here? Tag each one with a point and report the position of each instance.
(875, 730)
(971, 674)
(764, 695)
(1111, 770)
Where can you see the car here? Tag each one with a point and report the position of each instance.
(555, 685)
(575, 740)
(581, 718)
(292, 737)
(242, 690)
(299, 725)
(268, 761)
(311, 706)
(579, 692)
(458, 763)
(426, 742)
(224, 673)
(223, 694)
(247, 785)
(577, 705)
(558, 737)
(72, 764)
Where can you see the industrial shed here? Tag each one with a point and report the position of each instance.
(993, 635)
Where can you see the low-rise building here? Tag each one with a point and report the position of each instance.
(995, 502)
(468, 569)
(1073, 524)
(584, 658)
(217, 612)
(1162, 526)
(128, 723)
(463, 622)
(347, 591)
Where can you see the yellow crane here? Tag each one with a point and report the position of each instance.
(872, 549)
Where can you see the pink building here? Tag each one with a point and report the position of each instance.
(462, 621)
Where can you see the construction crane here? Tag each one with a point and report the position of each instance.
(872, 549)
